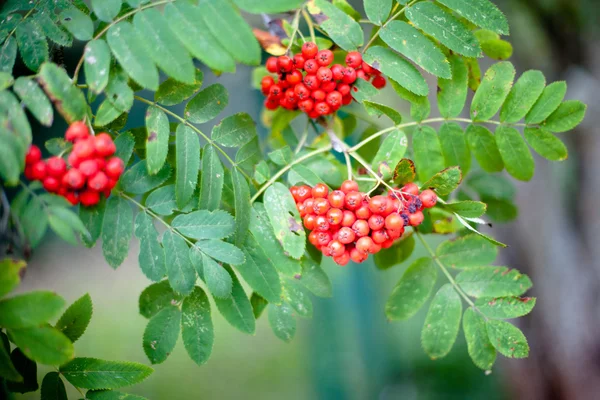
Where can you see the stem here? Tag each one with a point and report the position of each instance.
(295, 24)
(393, 17)
(348, 165)
(310, 24)
(116, 21)
(287, 168)
(302, 140)
(21, 21)
(369, 170)
(189, 124)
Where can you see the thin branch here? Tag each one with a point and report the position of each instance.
(295, 24)
(393, 17)
(310, 24)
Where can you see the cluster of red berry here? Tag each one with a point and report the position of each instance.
(90, 168)
(321, 90)
(348, 225)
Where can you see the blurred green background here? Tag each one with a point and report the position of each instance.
(349, 350)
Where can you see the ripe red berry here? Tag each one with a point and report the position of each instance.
(324, 74)
(337, 71)
(379, 204)
(290, 96)
(272, 65)
(306, 105)
(336, 199)
(349, 76)
(72, 197)
(311, 66)
(76, 131)
(428, 198)
(320, 191)
(104, 145)
(334, 99)
(376, 222)
(379, 82)
(336, 248)
(308, 203)
(394, 221)
(84, 149)
(271, 103)
(294, 77)
(346, 99)
(301, 193)
(298, 60)
(284, 64)
(364, 244)
(321, 206)
(323, 238)
(266, 83)
(360, 228)
(301, 209)
(353, 200)
(319, 95)
(88, 168)
(311, 82)
(335, 216)
(322, 108)
(416, 218)
(357, 256)
(89, 198)
(354, 59)
(302, 92)
(309, 50)
(74, 179)
(324, 57)
(394, 233)
(328, 87)
(346, 235)
(367, 68)
(114, 168)
(410, 188)
(51, 184)
(360, 74)
(275, 91)
(28, 172)
(34, 154)
(343, 88)
(387, 244)
(309, 221)
(98, 182)
(342, 260)
(363, 211)
(39, 170)
(56, 167)
(349, 218)
(349, 186)
(321, 223)
(379, 236)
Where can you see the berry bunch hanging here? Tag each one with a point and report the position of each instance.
(308, 83)
(90, 170)
(349, 225)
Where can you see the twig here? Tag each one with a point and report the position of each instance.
(310, 24)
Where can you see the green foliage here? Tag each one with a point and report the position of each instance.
(29, 309)
(493, 282)
(161, 333)
(76, 318)
(442, 322)
(93, 373)
(53, 387)
(196, 326)
(479, 346)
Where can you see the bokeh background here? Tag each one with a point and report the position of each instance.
(349, 350)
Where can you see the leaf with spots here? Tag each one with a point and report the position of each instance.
(442, 323)
(390, 153)
(152, 255)
(35, 100)
(156, 297)
(33, 45)
(493, 282)
(161, 333)
(93, 373)
(505, 307)
(492, 92)
(197, 327)
(157, 139)
(482, 13)
(235, 130)
(76, 318)
(404, 172)
(117, 229)
(78, 23)
(340, 27)
(212, 179)
(297, 297)
(452, 93)
(171, 92)
(236, 309)
(479, 347)
(204, 224)
(137, 180)
(397, 68)
(282, 321)
(188, 164)
(507, 339)
(445, 181)
(96, 64)
(68, 99)
(467, 252)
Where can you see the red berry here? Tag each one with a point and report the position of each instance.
(73, 160)
(309, 221)
(72, 197)
(336, 248)
(367, 68)
(347, 99)
(338, 72)
(328, 87)
(312, 238)
(357, 256)
(271, 103)
(290, 96)
(349, 76)
(321, 206)
(321, 223)
(324, 74)
(336, 198)
(416, 218)
(346, 235)
(353, 200)
(306, 105)
(304, 193)
(98, 182)
(320, 191)
(114, 168)
(298, 61)
(334, 99)
(309, 50)
(76, 131)
(353, 59)
(360, 228)
(364, 244)
(379, 204)
(322, 108)
(324, 57)
(301, 209)
(104, 145)
(266, 83)
(39, 170)
(284, 64)
(34, 154)
(323, 238)
(88, 168)
(56, 167)
(394, 233)
(342, 260)
(343, 88)
(294, 77)
(84, 149)
(51, 184)
(410, 188)
(349, 218)
(301, 91)
(360, 74)
(28, 172)
(363, 211)
(428, 198)
(376, 222)
(379, 236)
(313, 114)
(294, 192)
(89, 198)
(311, 82)
(394, 221)
(272, 65)
(349, 186)
(275, 91)
(74, 179)
(335, 216)
(387, 244)
(319, 95)
(311, 66)
(379, 82)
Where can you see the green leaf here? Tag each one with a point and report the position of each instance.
(137, 180)
(412, 291)
(236, 309)
(152, 256)
(234, 130)
(162, 45)
(96, 65)
(161, 333)
(6, 80)
(492, 92)
(285, 220)
(297, 297)
(231, 30)
(8, 55)
(466, 252)
(547, 103)
(395, 255)
(68, 99)
(171, 92)
(76, 318)
(442, 322)
(500, 210)
(7, 369)
(483, 145)
(443, 27)
(258, 304)
(479, 347)
(452, 93)
(162, 200)
(249, 155)
(10, 274)
(260, 227)
(111, 395)
(281, 156)
(30, 309)
(397, 68)
(33, 45)
(378, 10)
(546, 144)
(507, 339)
(65, 222)
(14, 126)
(156, 297)
(467, 208)
(207, 104)
(505, 307)
(493, 282)
(445, 181)
(217, 279)
(129, 49)
(43, 344)
(361, 91)
(124, 143)
(454, 146)
(415, 46)
(211, 184)
(404, 172)
(241, 193)
(186, 21)
(268, 6)
(180, 270)
(196, 326)
(78, 23)
(390, 153)
(282, 321)
(340, 27)
(188, 164)
(428, 156)
(204, 224)
(53, 387)
(157, 140)
(261, 172)
(93, 373)
(301, 174)
(314, 278)
(106, 10)
(480, 12)
(116, 230)
(259, 272)
(35, 100)
(496, 49)
(515, 153)
(221, 251)
(523, 96)
(28, 371)
(381, 109)
(566, 117)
